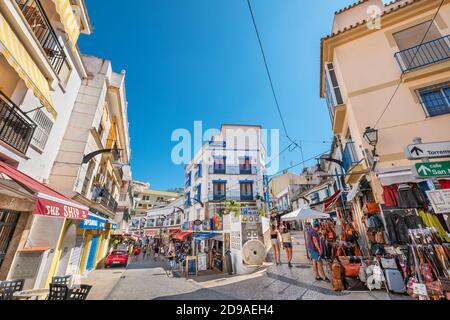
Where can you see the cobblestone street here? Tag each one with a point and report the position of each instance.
(146, 280)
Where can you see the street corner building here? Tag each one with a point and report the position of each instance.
(64, 144)
(223, 209)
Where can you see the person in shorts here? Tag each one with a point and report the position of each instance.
(275, 239)
(314, 250)
(287, 244)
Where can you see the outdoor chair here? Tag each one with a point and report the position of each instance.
(6, 294)
(58, 292)
(79, 293)
(12, 285)
(62, 280)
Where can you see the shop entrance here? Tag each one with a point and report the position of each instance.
(8, 222)
(91, 259)
(68, 245)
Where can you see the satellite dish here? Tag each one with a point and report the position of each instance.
(254, 253)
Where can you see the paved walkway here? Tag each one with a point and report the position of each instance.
(146, 280)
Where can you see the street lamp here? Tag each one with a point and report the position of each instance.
(371, 136)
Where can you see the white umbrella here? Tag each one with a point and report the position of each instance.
(305, 214)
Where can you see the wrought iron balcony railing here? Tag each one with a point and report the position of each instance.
(39, 23)
(101, 195)
(232, 170)
(16, 128)
(428, 53)
(231, 195)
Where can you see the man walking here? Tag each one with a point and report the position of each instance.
(315, 252)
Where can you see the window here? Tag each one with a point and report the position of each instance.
(219, 190)
(198, 195)
(333, 92)
(436, 99)
(88, 177)
(247, 191)
(219, 165)
(187, 202)
(245, 165)
(44, 126)
(8, 222)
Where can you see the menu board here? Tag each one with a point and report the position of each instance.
(235, 240)
(202, 265)
(191, 266)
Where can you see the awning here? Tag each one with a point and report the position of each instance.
(93, 222)
(204, 235)
(69, 20)
(396, 175)
(17, 56)
(329, 203)
(48, 201)
(304, 214)
(174, 231)
(181, 235)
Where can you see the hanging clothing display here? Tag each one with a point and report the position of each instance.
(390, 195)
(410, 196)
(432, 221)
(445, 184)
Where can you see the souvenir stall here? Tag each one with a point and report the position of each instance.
(409, 250)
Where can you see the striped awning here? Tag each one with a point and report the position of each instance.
(69, 20)
(18, 57)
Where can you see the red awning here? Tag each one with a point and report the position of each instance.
(48, 201)
(181, 235)
(174, 231)
(328, 203)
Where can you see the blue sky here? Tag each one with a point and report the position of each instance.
(189, 60)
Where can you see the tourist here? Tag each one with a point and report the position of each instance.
(315, 251)
(275, 239)
(287, 244)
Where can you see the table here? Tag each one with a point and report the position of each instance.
(29, 294)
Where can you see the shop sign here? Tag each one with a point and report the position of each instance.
(428, 150)
(56, 209)
(432, 169)
(93, 222)
(440, 200)
(198, 222)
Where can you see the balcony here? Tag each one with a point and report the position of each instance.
(426, 54)
(231, 195)
(232, 170)
(102, 196)
(34, 14)
(350, 157)
(16, 128)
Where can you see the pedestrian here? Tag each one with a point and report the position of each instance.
(144, 251)
(315, 251)
(275, 239)
(287, 244)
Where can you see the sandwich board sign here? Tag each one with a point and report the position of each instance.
(428, 150)
(429, 170)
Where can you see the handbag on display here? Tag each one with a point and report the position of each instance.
(371, 207)
(352, 269)
(362, 272)
(357, 251)
(380, 237)
(388, 263)
(434, 290)
(337, 272)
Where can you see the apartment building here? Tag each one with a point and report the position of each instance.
(386, 82)
(92, 166)
(162, 222)
(148, 199)
(41, 73)
(227, 171)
